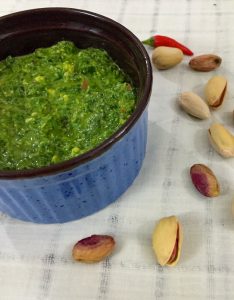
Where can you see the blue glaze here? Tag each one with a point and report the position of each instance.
(81, 191)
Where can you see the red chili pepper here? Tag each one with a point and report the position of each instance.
(161, 40)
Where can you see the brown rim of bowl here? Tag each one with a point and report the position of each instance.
(93, 153)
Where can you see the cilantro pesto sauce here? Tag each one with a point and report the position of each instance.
(59, 102)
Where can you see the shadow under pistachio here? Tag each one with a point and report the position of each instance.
(192, 226)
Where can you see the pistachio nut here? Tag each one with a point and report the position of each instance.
(93, 248)
(215, 91)
(205, 62)
(166, 57)
(221, 140)
(194, 105)
(204, 180)
(167, 241)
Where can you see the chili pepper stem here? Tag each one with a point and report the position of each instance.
(149, 42)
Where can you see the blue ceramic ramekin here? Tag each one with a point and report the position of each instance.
(85, 184)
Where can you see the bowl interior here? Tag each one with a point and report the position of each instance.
(23, 32)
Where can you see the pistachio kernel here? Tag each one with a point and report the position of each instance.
(204, 180)
(93, 248)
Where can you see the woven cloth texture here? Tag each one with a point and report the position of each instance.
(35, 260)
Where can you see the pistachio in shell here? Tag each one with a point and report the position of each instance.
(167, 240)
(204, 180)
(166, 57)
(194, 105)
(221, 140)
(205, 62)
(215, 91)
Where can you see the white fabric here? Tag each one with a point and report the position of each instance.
(35, 260)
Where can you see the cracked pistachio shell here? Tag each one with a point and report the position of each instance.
(167, 241)
(221, 140)
(204, 180)
(215, 91)
(194, 105)
(166, 57)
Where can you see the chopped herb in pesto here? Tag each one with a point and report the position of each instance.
(59, 102)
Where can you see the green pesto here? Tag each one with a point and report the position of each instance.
(59, 102)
